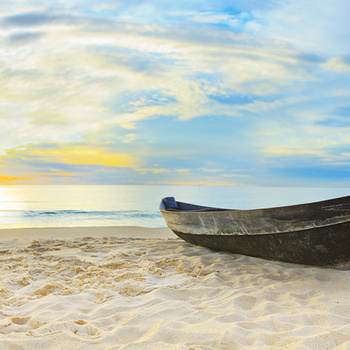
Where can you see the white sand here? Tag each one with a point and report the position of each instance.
(88, 288)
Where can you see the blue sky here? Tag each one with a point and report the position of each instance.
(163, 92)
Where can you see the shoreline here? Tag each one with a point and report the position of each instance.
(26, 235)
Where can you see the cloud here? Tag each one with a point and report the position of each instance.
(197, 183)
(72, 74)
(50, 174)
(23, 38)
(316, 27)
(8, 180)
(73, 154)
(122, 86)
(128, 138)
(338, 64)
(34, 19)
(161, 170)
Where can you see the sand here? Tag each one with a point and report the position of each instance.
(93, 288)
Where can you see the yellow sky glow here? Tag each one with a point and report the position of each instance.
(7, 180)
(49, 174)
(84, 155)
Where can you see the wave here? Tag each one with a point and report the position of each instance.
(75, 218)
(94, 213)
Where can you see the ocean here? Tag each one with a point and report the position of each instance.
(71, 206)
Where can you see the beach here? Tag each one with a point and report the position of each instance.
(143, 288)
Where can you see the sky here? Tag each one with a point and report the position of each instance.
(225, 92)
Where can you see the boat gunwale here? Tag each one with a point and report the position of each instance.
(213, 209)
(317, 204)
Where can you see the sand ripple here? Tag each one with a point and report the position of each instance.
(109, 293)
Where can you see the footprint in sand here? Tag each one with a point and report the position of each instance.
(80, 322)
(20, 320)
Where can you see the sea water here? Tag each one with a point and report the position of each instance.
(71, 206)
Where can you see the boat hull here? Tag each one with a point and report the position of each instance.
(325, 246)
(312, 234)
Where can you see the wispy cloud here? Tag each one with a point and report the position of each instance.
(33, 19)
(198, 89)
(340, 64)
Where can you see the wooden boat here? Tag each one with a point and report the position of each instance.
(314, 233)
